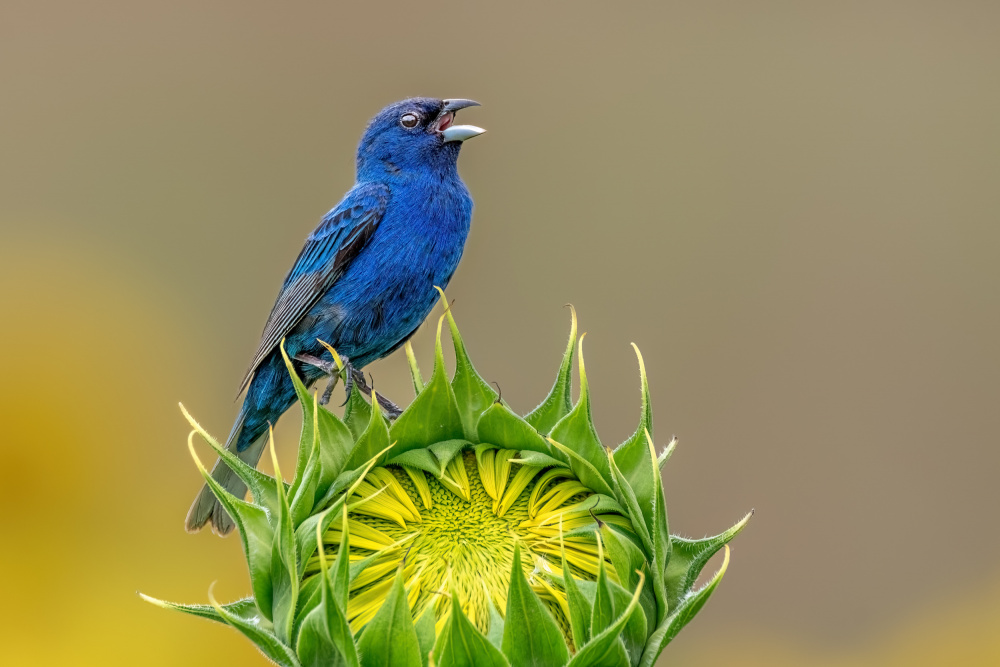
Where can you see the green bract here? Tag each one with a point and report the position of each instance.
(462, 534)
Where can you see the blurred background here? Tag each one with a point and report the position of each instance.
(792, 208)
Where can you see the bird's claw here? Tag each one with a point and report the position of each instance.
(352, 377)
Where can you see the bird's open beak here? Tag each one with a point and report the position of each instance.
(447, 117)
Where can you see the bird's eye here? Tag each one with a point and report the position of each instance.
(408, 120)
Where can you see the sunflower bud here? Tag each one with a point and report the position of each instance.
(462, 533)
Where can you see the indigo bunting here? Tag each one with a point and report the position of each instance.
(364, 282)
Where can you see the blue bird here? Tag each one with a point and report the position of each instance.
(364, 282)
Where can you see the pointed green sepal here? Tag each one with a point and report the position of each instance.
(357, 414)
(623, 492)
(580, 610)
(528, 457)
(584, 470)
(374, 439)
(668, 451)
(559, 401)
(325, 638)
(576, 430)
(472, 393)
(260, 635)
(284, 559)
(531, 636)
(341, 576)
(302, 494)
(498, 424)
(390, 638)
(260, 484)
(325, 440)
(460, 644)
(632, 457)
(603, 614)
(433, 415)
(680, 616)
(411, 359)
(425, 633)
(495, 633)
(432, 460)
(659, 532)
(256, 535)
(245, 609)
(607, 647)
(304, 532)
(690, 556)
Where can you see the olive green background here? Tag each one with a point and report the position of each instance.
(792, 208)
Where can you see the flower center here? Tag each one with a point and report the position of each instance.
(456, 535)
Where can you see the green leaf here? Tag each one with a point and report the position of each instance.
(245, 609)
(284, 569)
(690, 556)
(390, 638)
(559, 401)
(681, 615)
(260, 635)
(576, 430)
(531, 637)
(433, 415)
(425, 633)
(472, 394)
(460, 644)
(256, 535)
(260, 484)
(607, 648)
(500, 426)
(325, 639)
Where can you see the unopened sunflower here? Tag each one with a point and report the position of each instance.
(462, 534)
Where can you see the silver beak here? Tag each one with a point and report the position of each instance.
(459, 132)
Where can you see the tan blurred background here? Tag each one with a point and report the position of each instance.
(792, 208)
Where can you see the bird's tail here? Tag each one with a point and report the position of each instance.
(206, 506)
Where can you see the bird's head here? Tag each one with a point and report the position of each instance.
(413, 135)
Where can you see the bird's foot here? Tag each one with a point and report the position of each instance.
(391, 410)
(328, 368)
(352, 378)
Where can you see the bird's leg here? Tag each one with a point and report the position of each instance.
(328, 368)
(358, 380)
(352, 378)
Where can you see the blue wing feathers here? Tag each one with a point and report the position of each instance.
(328, 251)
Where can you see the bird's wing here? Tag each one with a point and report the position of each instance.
(328, 251)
